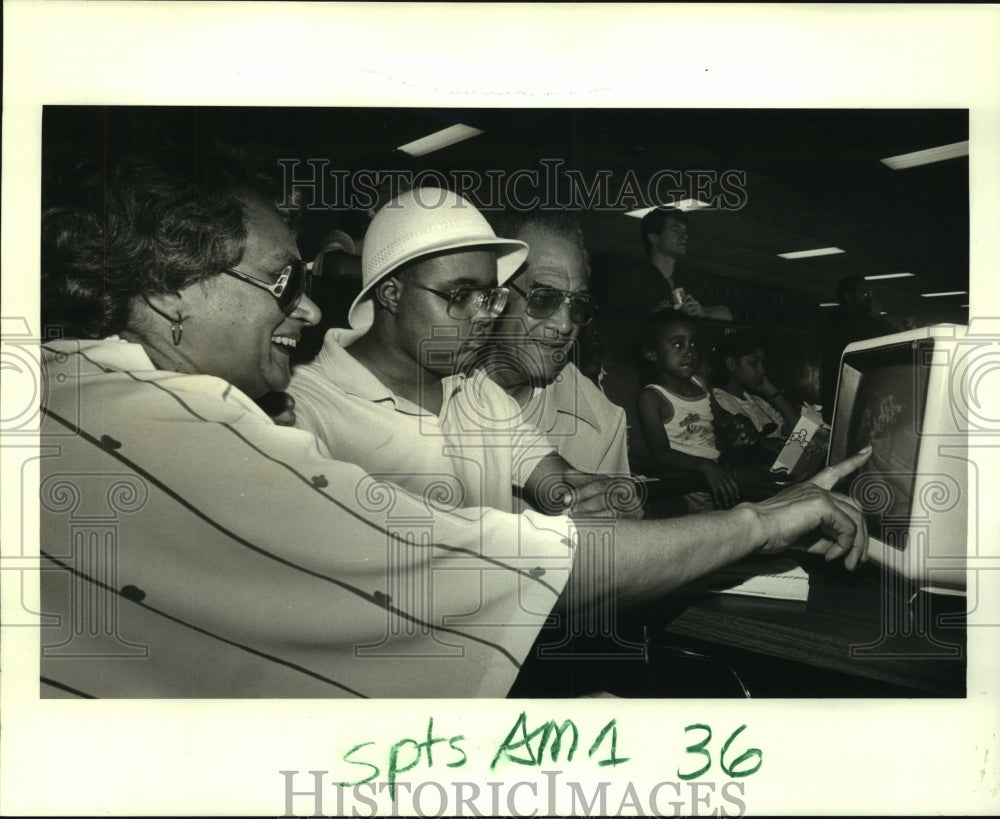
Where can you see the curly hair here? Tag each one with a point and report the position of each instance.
(146, 224)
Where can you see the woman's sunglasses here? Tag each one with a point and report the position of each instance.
(544, 301)
(290, 285)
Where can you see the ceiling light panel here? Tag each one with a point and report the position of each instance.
(440, 139)
(927, 156)
(682, 204)
(806, 254)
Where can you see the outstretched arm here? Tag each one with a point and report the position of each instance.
(653, 558)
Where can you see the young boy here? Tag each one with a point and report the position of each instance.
(675, 412)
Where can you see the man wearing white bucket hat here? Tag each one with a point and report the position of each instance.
(395, 394)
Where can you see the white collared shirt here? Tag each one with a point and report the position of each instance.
(586, 429)
(476, 448)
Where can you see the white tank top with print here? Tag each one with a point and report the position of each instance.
(690, 429)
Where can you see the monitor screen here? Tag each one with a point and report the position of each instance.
(883, 391)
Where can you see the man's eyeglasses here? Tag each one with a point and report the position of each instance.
(465, 302)
(291, 284)
(544, 301)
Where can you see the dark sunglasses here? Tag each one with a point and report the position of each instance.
(465, 302)
(544, 301)
(290, 285)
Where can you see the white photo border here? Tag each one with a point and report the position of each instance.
(209, 757)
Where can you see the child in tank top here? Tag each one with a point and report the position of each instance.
(675, 412)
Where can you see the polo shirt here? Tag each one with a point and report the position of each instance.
(475, 450)
(587, 430)
(192, 548)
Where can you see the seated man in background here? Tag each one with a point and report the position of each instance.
(534, 344)
(399, 395)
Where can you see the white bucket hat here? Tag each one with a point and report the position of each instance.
(420, 222)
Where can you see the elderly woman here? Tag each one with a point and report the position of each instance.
(535, 344)
(193, 548)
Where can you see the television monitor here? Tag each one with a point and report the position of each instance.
(903, 394)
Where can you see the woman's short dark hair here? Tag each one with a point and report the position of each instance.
(735, 345)
(149, 223)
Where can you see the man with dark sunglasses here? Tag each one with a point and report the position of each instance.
(535, 352)
(399, 393)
